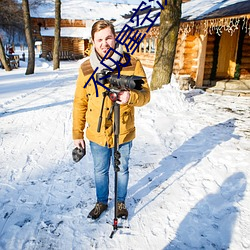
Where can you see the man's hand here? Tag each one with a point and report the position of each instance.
(123, 97)
(79, 143)
(79, 151)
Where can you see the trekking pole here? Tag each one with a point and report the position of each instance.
(117, 156)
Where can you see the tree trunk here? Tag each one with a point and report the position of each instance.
(28, 33)
(3, 57)
(165, 53)
(56, 59)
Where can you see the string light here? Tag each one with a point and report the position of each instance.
(218, 25)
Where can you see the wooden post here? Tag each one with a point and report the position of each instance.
(201, 60)
(149, 45)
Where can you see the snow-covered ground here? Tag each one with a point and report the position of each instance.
(189, 170)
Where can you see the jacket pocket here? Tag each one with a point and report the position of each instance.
(127, 120)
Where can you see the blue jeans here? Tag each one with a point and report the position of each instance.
(102, 157)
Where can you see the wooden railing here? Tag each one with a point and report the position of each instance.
(64, 55)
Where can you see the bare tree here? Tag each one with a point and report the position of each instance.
(3, 57)
(11, 24)
(28, 33)
(56, 59)
(169, 27)
(11, 16)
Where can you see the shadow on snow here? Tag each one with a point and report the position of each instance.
(190, 153)
(23, 110)
(209, 225)
(209, 215)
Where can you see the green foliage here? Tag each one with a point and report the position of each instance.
(237, 72)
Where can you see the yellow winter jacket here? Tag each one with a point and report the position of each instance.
(87, 107)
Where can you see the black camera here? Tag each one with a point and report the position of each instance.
(122, 83)
(78, 153)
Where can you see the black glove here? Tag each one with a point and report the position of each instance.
(78, 153)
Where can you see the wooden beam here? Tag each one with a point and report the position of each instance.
(201, 60)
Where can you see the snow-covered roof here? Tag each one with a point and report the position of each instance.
(93, 10)
(89, 9)
(79, 32)
(206, 9)
(83, 10)
(196, 10)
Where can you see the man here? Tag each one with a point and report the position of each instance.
(86, 109)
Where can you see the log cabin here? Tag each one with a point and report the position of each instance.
(74, 37)
(77, 18)
(213, 43)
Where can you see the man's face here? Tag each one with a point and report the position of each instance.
(103, 40)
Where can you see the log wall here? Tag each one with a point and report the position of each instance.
(50, 22)
(186, 56)
(74, 45)
(179, 59)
